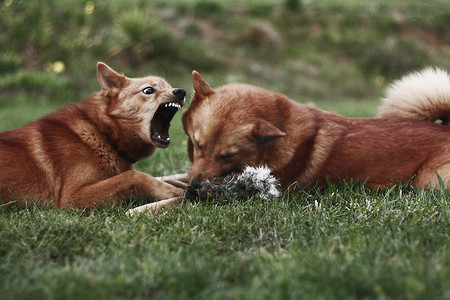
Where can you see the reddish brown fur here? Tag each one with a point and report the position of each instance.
(239, 125)
(82, 155)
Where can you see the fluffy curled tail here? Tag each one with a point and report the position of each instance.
(423, 95)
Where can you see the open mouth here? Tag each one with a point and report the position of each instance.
(159, 130)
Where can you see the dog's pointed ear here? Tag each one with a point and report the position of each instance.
(264, 132)
(201, 87)
(108, 78)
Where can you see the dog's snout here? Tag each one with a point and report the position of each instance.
(179, 93)
(196, 182)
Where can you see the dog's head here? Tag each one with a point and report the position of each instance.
(145, 106)
(229, 128)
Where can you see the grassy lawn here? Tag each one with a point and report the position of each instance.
(343, 242)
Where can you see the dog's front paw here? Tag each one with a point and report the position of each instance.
(177, 180)
(155, 206)
(147, 208)
(170, 191)
(177, 183)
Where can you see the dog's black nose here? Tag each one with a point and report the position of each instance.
(179, 93)
(196, 183)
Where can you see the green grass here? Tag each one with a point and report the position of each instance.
(343, 242)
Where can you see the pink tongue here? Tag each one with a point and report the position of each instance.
(159, 133)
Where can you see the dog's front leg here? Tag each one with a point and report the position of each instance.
(178, 180)
(155, 206)
(113, 190)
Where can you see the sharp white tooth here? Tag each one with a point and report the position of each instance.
(172, 104)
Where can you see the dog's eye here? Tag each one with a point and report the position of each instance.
(227, 156)
(148, 90)
(197, 145)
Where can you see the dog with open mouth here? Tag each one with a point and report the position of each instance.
(82, 155)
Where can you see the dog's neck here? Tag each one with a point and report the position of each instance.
(297, 147)
(104, 128)
(124, 155)
(136, 149)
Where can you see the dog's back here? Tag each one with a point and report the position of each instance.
(17, 148)
(29, 153)
(38, 159)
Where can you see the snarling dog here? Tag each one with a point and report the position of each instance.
(239, 125)
(82, 155)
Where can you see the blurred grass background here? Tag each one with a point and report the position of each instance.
(309, 50)
(339, 55)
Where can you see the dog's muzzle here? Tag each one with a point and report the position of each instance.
(159, 130)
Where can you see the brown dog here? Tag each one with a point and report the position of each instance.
(240, 125)
(83, 154)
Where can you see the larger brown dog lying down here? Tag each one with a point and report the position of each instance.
(82, 155)
(239, 125)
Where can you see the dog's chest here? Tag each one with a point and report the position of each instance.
(101, 153)
(105, 154)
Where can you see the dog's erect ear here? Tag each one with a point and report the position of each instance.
(264, 132)
(201, 87)
(108, 78)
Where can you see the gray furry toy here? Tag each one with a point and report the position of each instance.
(252, 182)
